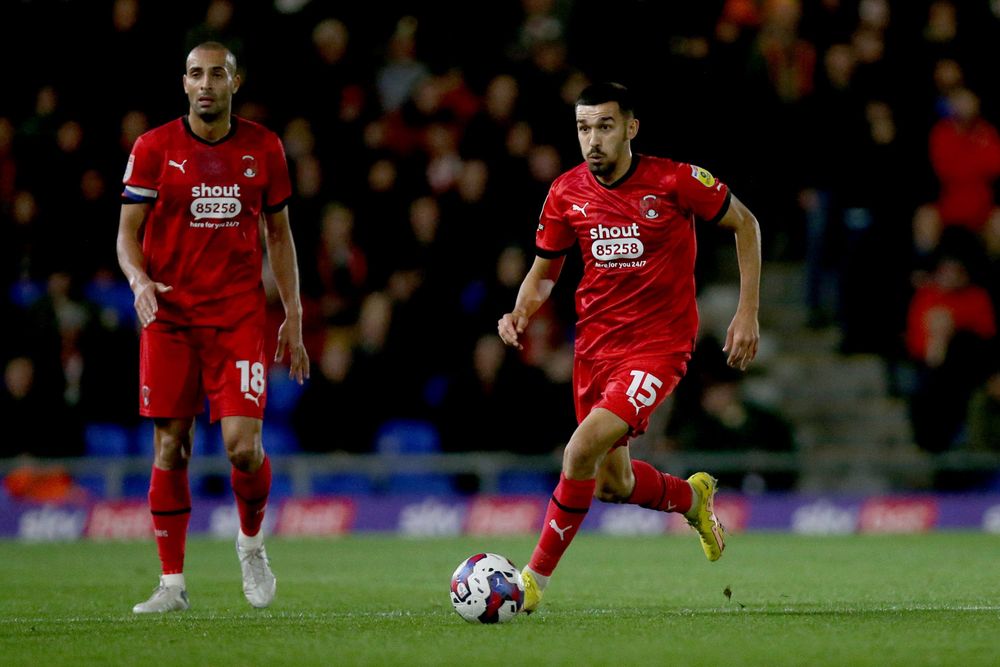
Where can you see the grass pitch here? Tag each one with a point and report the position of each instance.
(379, 600)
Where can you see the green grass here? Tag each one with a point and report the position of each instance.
(377, 600)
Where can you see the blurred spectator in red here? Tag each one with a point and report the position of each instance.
(949, 326)
(965, 155)
(342, 266)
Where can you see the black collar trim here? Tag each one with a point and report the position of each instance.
(233, 123)
(631, 170)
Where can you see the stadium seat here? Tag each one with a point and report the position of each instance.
(283, 394)
(24, 293)
(281, 487)
(342, 483)
(106, 440)
(142, 439)
(93, 484)
(135, 485)
(420, 483)
(279, 439)
(115, 295)
(527, 482)
(208, 439)
(407, 436)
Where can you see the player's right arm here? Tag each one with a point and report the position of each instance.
(535, 289)
(132, 262)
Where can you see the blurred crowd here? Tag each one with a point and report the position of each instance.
(422, 139)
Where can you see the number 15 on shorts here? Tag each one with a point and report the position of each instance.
(642, 392)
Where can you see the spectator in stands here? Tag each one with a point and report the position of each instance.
(965, 154)
(983, 423)
(712, 414)
(949, 326)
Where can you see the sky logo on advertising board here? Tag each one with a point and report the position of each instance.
(898, 515)
(632, 520)
(430, 517)
(991, 519)
(323, 516)
(824, 518)
(120, 520)
(51, 523)
(224, 521)
(504, 515)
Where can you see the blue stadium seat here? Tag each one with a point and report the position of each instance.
(116, 295)
(106, 440)
(420, 483)
(407, 436)
(283, 393)
(135, 485)
(93, 484)
(142, 439)
(279, 439)
(342, 483)
(24, 293)
(207, 437)
(281, 487)
(527, 482)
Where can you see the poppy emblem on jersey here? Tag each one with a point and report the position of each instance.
(249, 166)
(647, 207)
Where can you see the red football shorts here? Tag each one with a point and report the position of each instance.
(180, 366)
(630, 388)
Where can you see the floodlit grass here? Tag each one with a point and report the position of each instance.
(382, 600)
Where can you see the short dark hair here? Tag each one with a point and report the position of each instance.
(218, 46)
(607, 91)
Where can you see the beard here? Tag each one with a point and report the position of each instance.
(603, 168)
(211, 115)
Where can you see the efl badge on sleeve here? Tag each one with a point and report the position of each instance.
(703, 175)
(249, 166)
(648, 206)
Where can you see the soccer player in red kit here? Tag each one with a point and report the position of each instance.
(189, 244)
(633, 217)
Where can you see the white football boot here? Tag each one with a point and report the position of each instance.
(164, 598)
(259, 584)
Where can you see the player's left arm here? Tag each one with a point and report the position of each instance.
(743, 334)
(284, 265)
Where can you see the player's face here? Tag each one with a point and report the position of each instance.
(210, 83)
(604, 135)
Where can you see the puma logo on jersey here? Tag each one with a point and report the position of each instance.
(581, 209)
(251, 397)
(634, 404)
(562, 531)
(171, 163)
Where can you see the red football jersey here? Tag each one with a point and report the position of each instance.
(202, 233)
(637, 294)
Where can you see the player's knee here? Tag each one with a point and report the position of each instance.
(172, 445)
(611, 491)
(245, 454)
(579, 462)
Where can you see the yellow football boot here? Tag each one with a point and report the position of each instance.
(702, 517)
(532, 593)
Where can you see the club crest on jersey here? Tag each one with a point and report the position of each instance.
(647, 207)
(703, 175)
(249, 166)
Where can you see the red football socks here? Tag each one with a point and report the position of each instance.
(659, 491)
(567, 509)
(251, 490)
(170, 505)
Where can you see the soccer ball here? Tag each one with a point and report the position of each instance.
(487, 588)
